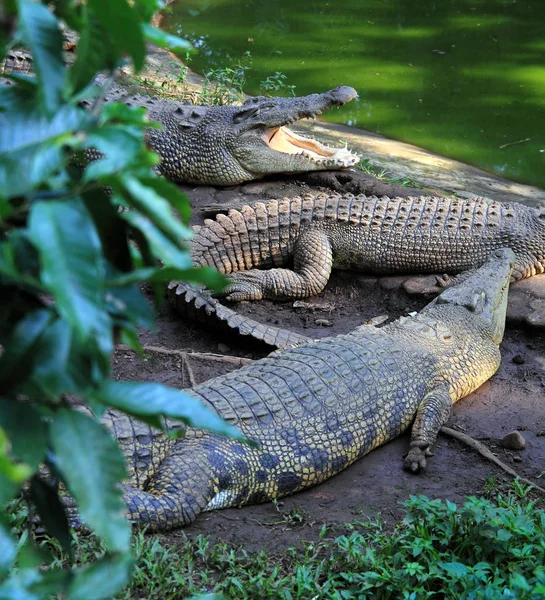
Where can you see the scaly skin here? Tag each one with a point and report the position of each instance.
(315, 409)
(381, 235)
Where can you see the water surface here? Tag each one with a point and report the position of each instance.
(464, 78)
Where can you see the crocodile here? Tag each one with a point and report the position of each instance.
(228, 145)
(318, 232)
(313, 410)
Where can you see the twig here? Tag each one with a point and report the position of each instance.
(517, 142)
(233, 360)
(189, 370)
(487, 453)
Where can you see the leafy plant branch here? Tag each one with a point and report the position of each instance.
(75, 243)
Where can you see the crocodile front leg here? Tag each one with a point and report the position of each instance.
(177, 493)
(313, 260)
(433, 412)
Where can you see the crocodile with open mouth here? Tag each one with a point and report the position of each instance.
(229, 145)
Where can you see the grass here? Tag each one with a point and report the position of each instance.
(382, 174)
(483, 549)
(224, 85)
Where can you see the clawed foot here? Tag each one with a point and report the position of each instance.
(415, 460)
(244, 286)
(444, 281)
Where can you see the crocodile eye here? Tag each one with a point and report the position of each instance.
(248, 113)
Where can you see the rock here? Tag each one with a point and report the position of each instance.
(513, 441)
(323, 323)
(527, 302)
(313, 305)
(426, 284)
(376, 320)
(223, 347)
(518, 359)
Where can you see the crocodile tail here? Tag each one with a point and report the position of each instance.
(198, 304)
(260, 235)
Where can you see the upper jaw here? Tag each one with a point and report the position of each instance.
(260, 112)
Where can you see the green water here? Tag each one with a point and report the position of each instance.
(464, 78)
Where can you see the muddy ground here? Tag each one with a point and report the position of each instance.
(513, 399)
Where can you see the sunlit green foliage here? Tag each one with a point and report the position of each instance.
(72, 253)
(481, 549)
(440, 550)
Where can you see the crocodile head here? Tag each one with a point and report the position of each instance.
(228, 145)
(483, 292)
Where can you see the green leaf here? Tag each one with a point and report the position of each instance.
(94, 49)
(15, 304)
(63, 363)
(162, 248)
(503, 535)
(34, 584)
(11, 474)
(39, 30)
(145, 195)
(122, 27)
(72, 265)
(172, 193)
(120, 147)
(29, 130)
(130, 338)
(119, 112)
(8, 551)
(111, 228)
(19, 260)
(102, 579)
(31, 146)
(19, 357)
(207, 276)
(52, 583)
(454, 568)
(28, 443)
(52, 353)
(143, 399)
(51, 512)
(129, 303)
(136, 276)
(92, 467)
(166, 40)
(147, 8)
(21, 96)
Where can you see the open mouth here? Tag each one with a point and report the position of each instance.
(282, 139)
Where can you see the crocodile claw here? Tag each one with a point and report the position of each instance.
(244, 286)
(415, 460)
(443, 281)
